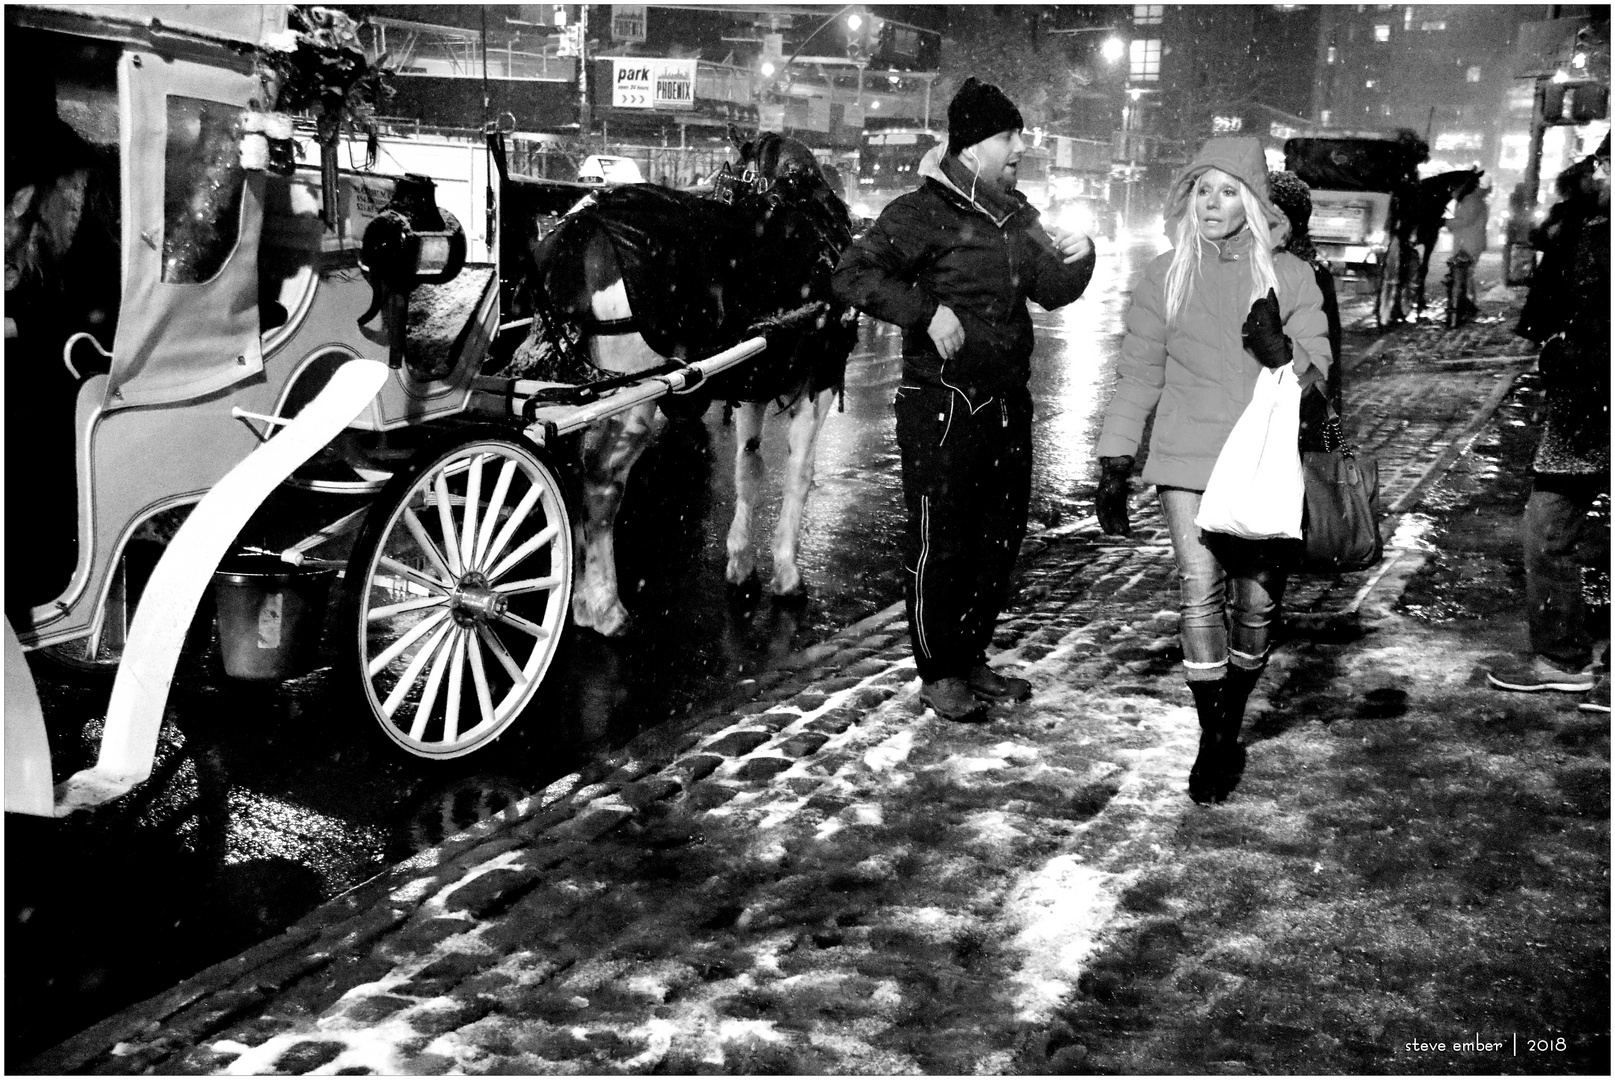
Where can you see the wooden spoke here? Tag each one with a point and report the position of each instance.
(473, 501)
(530, 545)
(413, 671)
(445, 520)
(496, 503)
(408, 638)
(451, 706)
(419, 577)
(502, 654)
(389, 610)
(434, 681)
(529, 585)
(427, 545)
(479, 679)
(531, 629)
(514, 522)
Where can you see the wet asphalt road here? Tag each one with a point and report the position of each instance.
(269, 799)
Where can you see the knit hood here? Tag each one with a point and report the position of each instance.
(1240, 158)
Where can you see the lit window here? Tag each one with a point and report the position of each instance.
(1148, 14)
(1325, 116)
(1144, 59)
(1433, 24)
(1472, 75)
(1407, 18)
(1334, 55)
(1382, 32)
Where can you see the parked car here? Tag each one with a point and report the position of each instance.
(603, 170)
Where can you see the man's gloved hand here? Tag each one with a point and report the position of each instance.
(1114, 474)
(1264, 333)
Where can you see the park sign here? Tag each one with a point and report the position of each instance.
(651, 83)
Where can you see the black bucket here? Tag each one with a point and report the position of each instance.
(269, 615)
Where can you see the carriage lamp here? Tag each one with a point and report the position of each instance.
(409, 244)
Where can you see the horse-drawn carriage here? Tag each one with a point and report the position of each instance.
(311, 332)
(1371, 209)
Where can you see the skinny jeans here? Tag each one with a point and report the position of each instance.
(967, 484)
(1555, 516)
(1229, 590)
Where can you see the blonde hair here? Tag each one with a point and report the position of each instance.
(1186, 253)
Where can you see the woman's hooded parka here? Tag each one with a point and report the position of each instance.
(1195, 374)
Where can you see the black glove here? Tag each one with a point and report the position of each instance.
(1264, 333)
(1112, 502)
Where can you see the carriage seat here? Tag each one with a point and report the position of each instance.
(442, 320)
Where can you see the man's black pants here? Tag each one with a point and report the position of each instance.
(967, 481)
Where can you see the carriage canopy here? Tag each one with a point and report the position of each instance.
(1352, 163)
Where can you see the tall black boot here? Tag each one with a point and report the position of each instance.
(1205, 778)
(1240, 683)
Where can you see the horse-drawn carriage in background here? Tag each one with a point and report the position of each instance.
(307, 334)
(1371, 209)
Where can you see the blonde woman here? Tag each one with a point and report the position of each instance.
(1205, 319)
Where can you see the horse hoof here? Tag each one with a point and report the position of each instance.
(795, 597)
(613, 624)
(748, 587)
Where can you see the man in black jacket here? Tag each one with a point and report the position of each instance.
(953, 264)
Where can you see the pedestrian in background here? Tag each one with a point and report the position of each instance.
(1571, 466)
(1545, 312)
(953, 263)
(1291, 194)
(1468, 228)
(1204, 321)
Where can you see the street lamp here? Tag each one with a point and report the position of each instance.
(1113, 49)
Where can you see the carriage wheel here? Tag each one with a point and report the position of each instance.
(1387, 306)
(457, 592)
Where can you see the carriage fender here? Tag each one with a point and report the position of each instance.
(140, 693)
(27, 752)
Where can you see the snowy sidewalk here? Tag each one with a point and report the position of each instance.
(825, 878)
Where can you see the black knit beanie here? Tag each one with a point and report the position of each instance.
(979, 111)
(1291, 194)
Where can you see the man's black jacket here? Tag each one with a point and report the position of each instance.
(934, 246)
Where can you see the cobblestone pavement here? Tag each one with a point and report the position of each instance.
(821, 877)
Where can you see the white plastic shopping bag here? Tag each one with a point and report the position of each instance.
(1256, 489)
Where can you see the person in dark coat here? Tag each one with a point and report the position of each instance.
(953, 263)
(1556, 237)
(1571, 466)
(1204, 321)
(1291, 194)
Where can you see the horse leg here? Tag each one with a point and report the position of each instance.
(748, 487)
(806, 418)
(609, 451)
(1424, 272)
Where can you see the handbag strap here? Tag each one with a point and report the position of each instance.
(1334, 436)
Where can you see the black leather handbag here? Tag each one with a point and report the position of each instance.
(1340, 517)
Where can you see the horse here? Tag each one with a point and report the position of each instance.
(635, 277)
(1420, 215)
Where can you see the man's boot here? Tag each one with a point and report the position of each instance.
(1240, 683)
(990, 685)
(951, 699)
(1206, 775)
